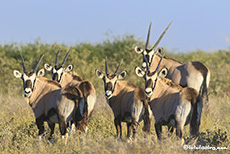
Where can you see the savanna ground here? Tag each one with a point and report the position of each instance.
(19, 133)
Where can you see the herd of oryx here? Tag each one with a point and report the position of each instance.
(173, 94)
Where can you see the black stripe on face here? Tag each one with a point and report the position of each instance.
(28, 84)
(149, 83)
(109, 86)
(55, 77)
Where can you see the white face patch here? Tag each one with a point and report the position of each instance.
(148, 92)
(107, 80)
(59, 72)
(108, 94)
(28, 91)
(144, 65)
(54, 70)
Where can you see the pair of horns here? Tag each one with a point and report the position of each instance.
(159, 39)
(36, 67)
(106, 67)
(147, 65)
(56, 61)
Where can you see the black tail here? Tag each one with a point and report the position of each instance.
(204, 89)
(147, 120)
(81, 120)
(196, 116)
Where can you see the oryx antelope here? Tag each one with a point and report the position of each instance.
(65, 78)
(171, 104)
(127, 101)
(48, 100)
(192, 74)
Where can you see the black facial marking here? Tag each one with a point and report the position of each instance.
(149, 83)
(28, 84)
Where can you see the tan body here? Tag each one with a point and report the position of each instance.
(52, 104)
(48, 95)
(48, 100)
(66, 78)
(88, 91)
(192, 74)
(174, 107)
(171, 104)
(127, 102)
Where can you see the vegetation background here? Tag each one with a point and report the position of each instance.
(18, 131)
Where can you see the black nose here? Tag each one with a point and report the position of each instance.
(147, 92)
(27, 92)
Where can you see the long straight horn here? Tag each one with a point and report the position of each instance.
(147, 42)
(147, 65)
(158, 66)
(65, 57)
(106, 66)
(158, 41)
(56, 61)
(23, 64)
(36, 67)
(118, 67)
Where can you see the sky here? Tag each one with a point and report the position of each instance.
(197, 24)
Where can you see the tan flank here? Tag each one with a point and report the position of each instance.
(127, 102)
(171, 104)
(48, 100)
(67, 78)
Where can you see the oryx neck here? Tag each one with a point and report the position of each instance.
(157, 91)
(70, 78)
(155, 62)
(164, 86)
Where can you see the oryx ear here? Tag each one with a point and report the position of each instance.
(163, 73)
(41, 73)
(139, 72)
(69, 68)
(159, 50)
(47, 67)
(17, 74)
(99, 74)
(122, 75)
(138, 49)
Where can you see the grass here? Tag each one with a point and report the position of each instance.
(18, 131)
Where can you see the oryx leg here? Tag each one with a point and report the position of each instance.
(179, 129)
(129, 130)
(63, 128)
(158, 128)
(51, 126)
(147, 124)
(134, 126)
(117, 122)
(40, 125)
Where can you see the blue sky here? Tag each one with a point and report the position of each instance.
(197, 24)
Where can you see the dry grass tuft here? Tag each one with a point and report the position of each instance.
(18, 131)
